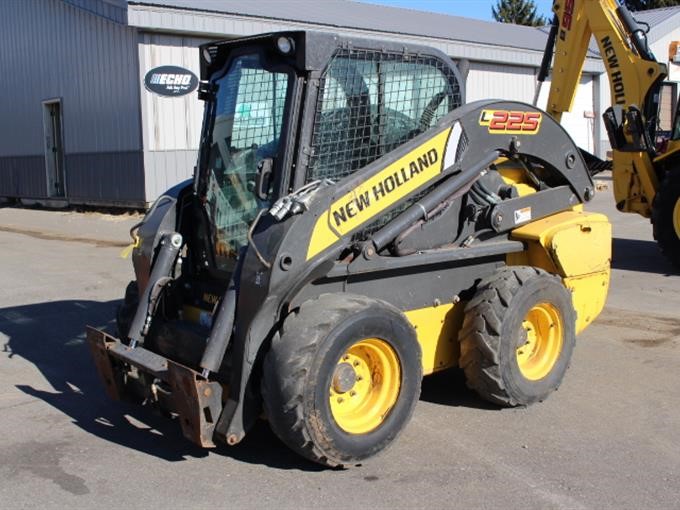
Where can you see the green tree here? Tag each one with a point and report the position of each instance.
(519, 12)
(643, 5)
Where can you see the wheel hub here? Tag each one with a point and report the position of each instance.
(344, 378)
(676, 218)
(540, 341)
(365, 386)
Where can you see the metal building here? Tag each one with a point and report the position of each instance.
(81, 126)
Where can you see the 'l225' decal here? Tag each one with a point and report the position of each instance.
(511, 122)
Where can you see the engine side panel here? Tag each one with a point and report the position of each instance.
(556, 244)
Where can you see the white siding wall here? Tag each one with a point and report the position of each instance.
(216, 25)
(496, 81)
(171, 125)
(577, 122)
(660, 49)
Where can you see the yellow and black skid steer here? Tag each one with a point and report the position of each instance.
(352, 226)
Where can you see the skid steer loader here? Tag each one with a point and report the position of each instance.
(351, 227)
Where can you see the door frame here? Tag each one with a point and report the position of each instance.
(47, 124)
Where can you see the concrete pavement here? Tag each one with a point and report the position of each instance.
(610, 438)
(92, 227)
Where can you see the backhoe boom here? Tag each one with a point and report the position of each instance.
(635, 79)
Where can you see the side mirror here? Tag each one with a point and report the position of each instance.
(264, 177)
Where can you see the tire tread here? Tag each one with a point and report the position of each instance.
(481, 331)
(662, 217)
(284, 404)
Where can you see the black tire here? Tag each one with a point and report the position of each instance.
(665, 217)
(126, 311)
(493, 330)
(299, 367)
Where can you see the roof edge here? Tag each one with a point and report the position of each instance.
(161, 5)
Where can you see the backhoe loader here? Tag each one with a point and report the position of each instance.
(646, 179)
(351, 227)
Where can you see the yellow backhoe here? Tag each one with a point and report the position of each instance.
(646, 179)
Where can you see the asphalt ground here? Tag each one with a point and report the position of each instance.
(609, 438)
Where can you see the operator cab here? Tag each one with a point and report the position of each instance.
(668, 142)
(675, 134)
(248, 94)
(267, 95)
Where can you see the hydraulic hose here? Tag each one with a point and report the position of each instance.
(637, 34)
(544, 70)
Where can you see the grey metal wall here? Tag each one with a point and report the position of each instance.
(115, 10)
(57, 49)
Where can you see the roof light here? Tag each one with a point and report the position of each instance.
(285, 45)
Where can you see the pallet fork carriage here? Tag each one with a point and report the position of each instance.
(352, 226)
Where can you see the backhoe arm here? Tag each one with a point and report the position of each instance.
(634, 80)
(631, 67)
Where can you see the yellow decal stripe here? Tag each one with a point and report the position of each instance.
(379, 192)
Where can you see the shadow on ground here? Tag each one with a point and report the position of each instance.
(448, 388)
(639, 255)
(51, 337)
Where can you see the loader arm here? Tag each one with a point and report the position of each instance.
(634, 80)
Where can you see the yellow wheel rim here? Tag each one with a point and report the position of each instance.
(365, 386)
(676, 218)
(543, 342)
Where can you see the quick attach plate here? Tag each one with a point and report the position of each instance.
(197, 401)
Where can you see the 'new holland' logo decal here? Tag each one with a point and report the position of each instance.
(384, 189)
